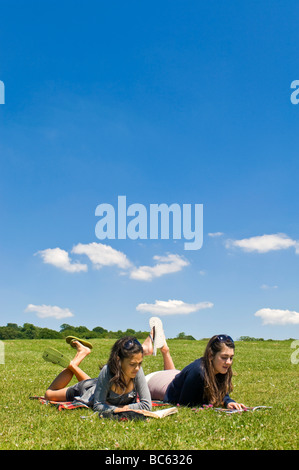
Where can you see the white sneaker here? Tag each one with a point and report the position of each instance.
(159, 336)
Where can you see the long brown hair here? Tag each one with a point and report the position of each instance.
(216, 385)
(122, 348)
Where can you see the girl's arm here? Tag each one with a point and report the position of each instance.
(192, 389)
(231, 404)
(145, 401)
(235, 406)
(228, 401)
(101, 392)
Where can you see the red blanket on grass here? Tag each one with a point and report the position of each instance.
(69, 405)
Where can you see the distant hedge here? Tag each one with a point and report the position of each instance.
(29, 331)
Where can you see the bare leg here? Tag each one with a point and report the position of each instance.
(147, 345)
(168, 362)
(57, 389)
(158, 381)
(148, 351)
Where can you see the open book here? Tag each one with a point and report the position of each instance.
(150, 414)
(248, 408)
(159, 413)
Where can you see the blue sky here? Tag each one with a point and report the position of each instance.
(163, 102)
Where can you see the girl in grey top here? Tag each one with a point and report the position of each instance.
(116, 388)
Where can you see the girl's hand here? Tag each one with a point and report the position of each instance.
(236, 406)
(121, 408)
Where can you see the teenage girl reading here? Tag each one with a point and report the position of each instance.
(115, 389)
(207, 380)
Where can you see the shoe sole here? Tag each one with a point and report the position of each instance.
(159, 337)
(51, 355)
(70, 339)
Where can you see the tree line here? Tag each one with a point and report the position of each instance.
(30, 331)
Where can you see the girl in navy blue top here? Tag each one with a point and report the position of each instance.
(205, 381)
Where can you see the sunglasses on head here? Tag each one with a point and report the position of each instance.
(130, 344)
(223, 339)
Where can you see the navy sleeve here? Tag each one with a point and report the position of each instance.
(191, 393)
(227, 399)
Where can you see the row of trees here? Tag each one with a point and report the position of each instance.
(29, 331)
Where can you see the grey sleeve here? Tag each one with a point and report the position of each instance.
(145, 401)
(101, 392)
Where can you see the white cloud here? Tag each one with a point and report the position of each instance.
(60, 258)
(278, 317)
(172, 307)
(46, 311)
(265, 287)
(264, 243)
(215, 234)
(166, 264)
(102, 255)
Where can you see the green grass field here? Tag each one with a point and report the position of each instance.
(265, 376)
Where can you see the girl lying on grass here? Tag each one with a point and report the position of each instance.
(207, 380)
(115, 389)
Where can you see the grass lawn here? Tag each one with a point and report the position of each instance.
(265, 376)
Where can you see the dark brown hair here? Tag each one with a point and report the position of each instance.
(216, 385)
(122, 348)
